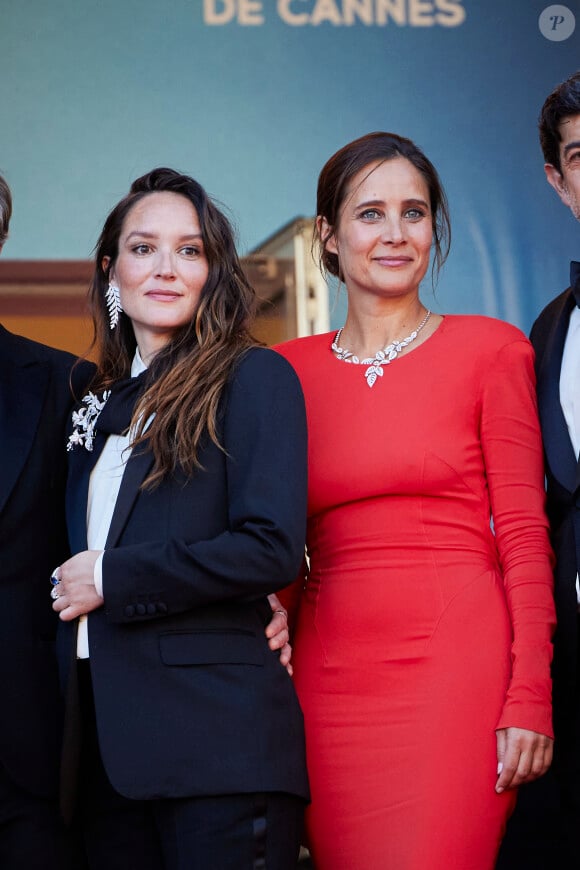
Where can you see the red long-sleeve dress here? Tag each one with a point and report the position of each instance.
(421, 628)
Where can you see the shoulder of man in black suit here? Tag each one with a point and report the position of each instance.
(25, 351)
(544, 323)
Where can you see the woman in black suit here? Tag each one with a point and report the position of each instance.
(186, 506)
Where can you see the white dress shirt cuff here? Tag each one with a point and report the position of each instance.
(98, 574)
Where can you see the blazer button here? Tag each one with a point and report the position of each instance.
(129, 610)
(141, 609)
(151, 609)
(161, 607)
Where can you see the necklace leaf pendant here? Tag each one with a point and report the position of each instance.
(382, 357)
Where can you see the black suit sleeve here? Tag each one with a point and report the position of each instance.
(264, 436)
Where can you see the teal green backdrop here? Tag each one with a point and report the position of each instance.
(252, 96)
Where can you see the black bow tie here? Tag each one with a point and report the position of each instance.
(575, 281)
(116, 416)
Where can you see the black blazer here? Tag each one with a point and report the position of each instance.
(563, 504)
(35, 401)
(189, 699)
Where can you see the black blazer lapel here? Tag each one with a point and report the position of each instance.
(81, 464)
(21, 401)
(136, 471)
(560, 454)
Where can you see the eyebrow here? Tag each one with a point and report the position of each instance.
(571, 145)
(145, 235)
(413, 201)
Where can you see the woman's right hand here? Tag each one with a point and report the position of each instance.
(76, 586)
(522, 756)
(277, 632)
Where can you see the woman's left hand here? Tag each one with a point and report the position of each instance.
(522, 756)
(76, 588)
(277, 632)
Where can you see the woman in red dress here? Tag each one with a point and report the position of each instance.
(422, 639)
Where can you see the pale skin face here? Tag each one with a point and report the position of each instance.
(383, 241)
(567, 182)
(384, 235)
(161, 268)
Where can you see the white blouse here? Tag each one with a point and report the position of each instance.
(104, 485)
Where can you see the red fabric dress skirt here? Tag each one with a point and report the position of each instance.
(421, 629)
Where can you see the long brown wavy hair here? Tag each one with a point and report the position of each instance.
(186, 378)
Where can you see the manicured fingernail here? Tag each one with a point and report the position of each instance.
(499, 767)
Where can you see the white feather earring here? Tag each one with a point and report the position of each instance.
(113, 299)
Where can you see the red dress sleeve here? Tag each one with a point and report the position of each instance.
(512, 452)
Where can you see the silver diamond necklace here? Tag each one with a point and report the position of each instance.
(381, 358)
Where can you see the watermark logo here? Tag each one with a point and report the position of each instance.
(557, 23)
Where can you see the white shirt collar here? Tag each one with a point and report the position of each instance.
(137, 366)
